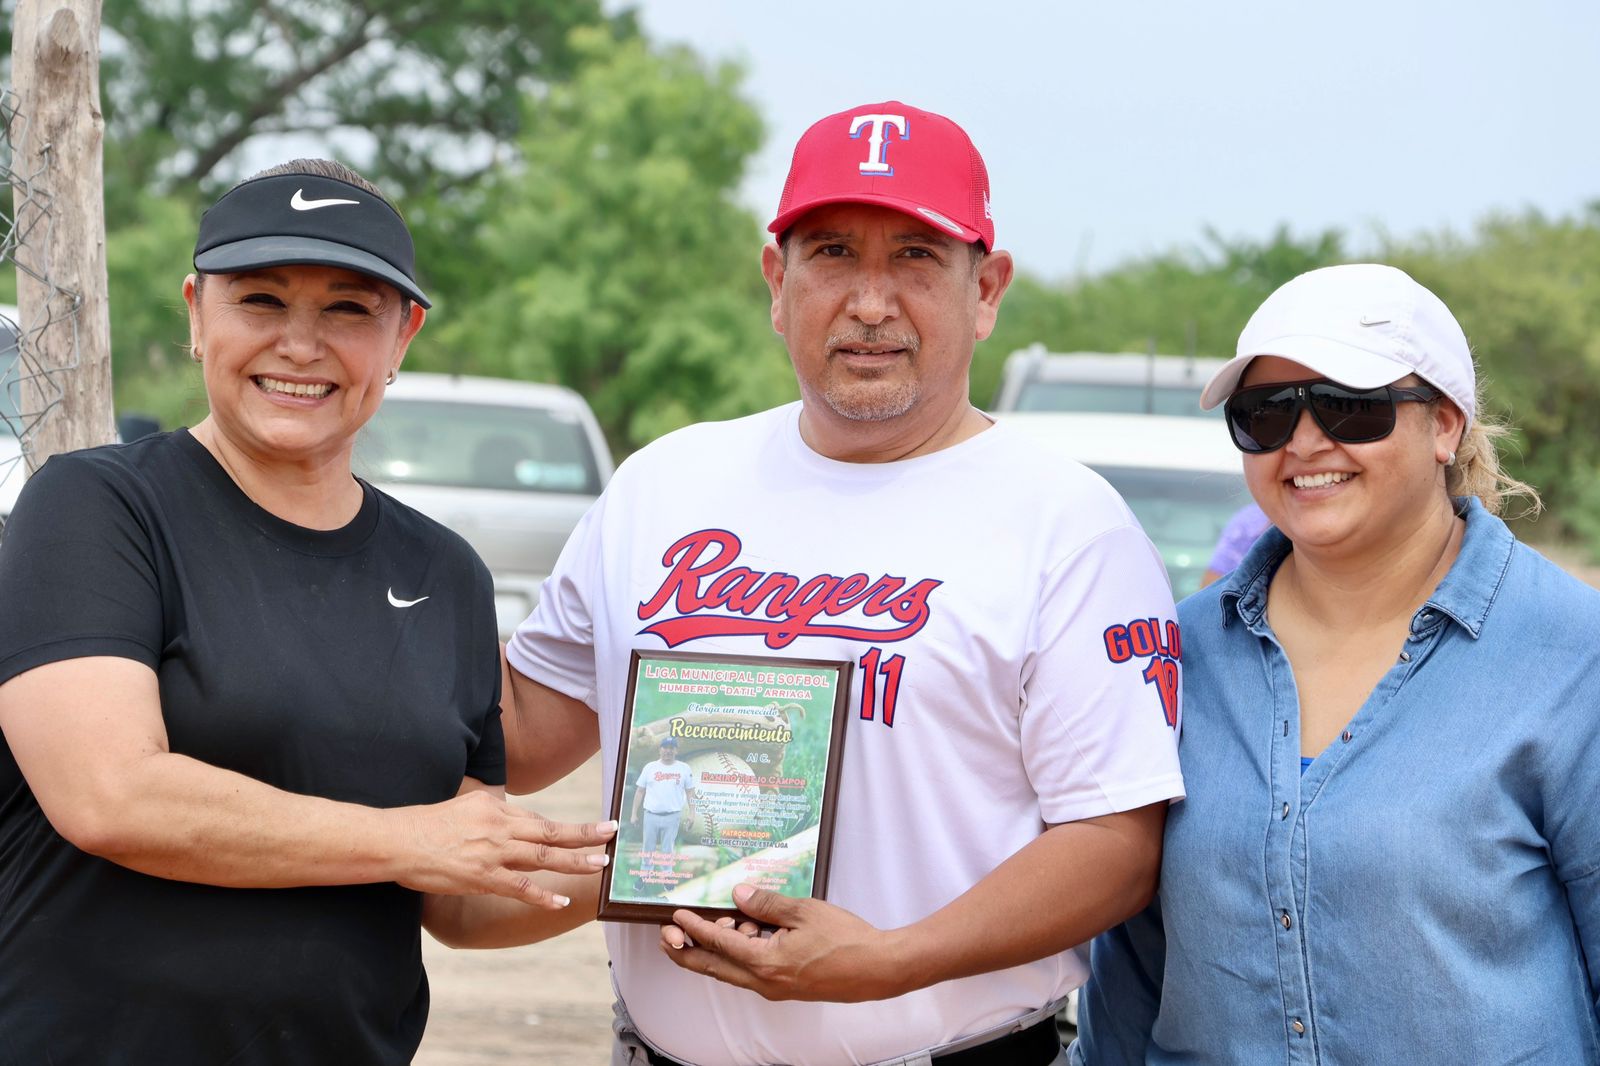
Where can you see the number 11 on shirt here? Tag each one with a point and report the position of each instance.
(870, 669)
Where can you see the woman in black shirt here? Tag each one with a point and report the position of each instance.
(250, 703)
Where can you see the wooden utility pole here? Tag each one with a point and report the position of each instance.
(60, 215)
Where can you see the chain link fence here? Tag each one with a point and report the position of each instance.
(30, 391)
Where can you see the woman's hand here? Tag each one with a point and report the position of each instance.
(89, 738)
(478, 844)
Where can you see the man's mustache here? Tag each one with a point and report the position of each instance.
(872, 336)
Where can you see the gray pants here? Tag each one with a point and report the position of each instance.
(629, 1048)
(660, 834)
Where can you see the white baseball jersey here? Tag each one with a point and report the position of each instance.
(666, 786)
(1016, 654)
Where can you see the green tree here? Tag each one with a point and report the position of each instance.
(613, 257)
(417, 92)
(1526, 289)
(421, 95)
(1523, 286)
(147, 257)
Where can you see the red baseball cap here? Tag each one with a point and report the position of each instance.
(898, 157)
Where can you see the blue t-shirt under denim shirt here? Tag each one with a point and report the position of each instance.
(1428, 891)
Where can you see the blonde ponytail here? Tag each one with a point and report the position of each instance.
(1477, 471)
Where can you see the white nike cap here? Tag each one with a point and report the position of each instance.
(1362, 325)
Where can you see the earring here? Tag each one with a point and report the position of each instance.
(395, 373)
(1451, 461)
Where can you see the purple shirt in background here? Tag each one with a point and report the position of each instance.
(1248, 523)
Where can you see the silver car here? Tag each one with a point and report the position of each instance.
(510, 465)
(1181, 477)
(1038, 380)
(12, 471)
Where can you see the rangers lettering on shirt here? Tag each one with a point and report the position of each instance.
(1162, 644)
(780, 607)
(877, 148)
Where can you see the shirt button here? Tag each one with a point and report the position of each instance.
(1345, 736)
(1285, 813)
(1405, 656)
(1298, 1026)
(1286, 920)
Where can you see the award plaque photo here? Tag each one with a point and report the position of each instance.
(726, 775)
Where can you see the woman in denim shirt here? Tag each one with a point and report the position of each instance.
(1390, 850)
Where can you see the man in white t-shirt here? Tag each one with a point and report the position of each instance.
(664, 788)
(1011, 747)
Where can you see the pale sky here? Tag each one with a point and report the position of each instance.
(1116, 129)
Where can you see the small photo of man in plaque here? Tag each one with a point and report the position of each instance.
(664, 792)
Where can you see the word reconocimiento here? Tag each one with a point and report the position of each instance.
(740, 731)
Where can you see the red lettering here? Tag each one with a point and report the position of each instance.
(813, 597)
(882, 591)
(913, 603)
(891, 686)
(1118, 650)
(1163, 674)
(848, 594)
(701, 576)
(780, 587)
(869, 683)
(734, 589)
(684, 577)
(1143, 637)
(890, 670)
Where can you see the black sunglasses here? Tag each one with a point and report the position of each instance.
(1262, 419)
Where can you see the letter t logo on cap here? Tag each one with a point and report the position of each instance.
(877, 163)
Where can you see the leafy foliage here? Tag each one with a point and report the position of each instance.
(147, 257)
(416, 91)
(614, 258)
(1524, 289)
(571, 189)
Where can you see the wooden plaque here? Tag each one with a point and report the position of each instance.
(727, 773)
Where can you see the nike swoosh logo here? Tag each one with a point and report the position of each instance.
(393, 602)
(300, 203)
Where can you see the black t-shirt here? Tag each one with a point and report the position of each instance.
(286, 654)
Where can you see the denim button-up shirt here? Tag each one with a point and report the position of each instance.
(1428, 891)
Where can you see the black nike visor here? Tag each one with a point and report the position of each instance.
(307, 219)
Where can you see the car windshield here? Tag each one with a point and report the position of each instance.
(1182, 512)
(1106, 398)
(482, 446)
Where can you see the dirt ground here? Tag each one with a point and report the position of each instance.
(548, 1003)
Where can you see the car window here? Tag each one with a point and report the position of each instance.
(9, 383)
(486, 446)
(1108, 398)
(1183, 512)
